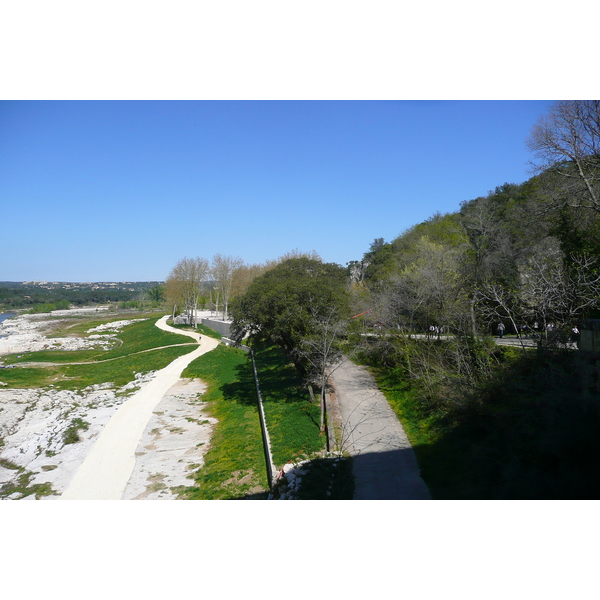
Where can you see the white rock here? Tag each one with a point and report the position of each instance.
(114, 326)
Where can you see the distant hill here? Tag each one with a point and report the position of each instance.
(25, 294)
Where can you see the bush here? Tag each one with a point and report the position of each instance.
(50, 306)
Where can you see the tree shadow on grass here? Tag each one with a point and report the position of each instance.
(255, 496)
(292, 419)
(279, 381)
(243, 389)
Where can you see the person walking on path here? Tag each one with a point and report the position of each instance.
(501, 330)
(384, 463)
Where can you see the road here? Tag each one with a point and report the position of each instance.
(106, 470)
(384, 463)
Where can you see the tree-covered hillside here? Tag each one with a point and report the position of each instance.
(522, 254)
(491, 421)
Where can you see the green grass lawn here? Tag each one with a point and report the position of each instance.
(203, 329)
(136, 354)
(292, 419)
(234, 465)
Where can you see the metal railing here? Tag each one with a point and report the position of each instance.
(271, 471)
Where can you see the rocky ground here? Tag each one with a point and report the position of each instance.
(32, 333)
(45, 434)
(173, 444)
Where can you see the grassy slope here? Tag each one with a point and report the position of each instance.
(235, 466)
(293, 421)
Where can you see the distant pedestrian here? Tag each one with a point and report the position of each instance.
(575, 334)
(500, 329)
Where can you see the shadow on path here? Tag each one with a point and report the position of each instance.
(388, 475)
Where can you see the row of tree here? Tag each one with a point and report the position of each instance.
(195, 283)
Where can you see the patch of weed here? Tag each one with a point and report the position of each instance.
(23, 485)
(71, 435)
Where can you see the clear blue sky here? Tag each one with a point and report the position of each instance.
(121, 190)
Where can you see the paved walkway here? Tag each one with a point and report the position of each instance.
(385, 467)
(106, 470)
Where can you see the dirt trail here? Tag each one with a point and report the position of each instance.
(384, 463)
(105, 472)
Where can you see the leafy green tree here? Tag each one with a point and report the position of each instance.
(284, 304)
(378, 262)
(427, 291)
(157, 294)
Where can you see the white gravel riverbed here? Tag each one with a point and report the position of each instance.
(34, 423)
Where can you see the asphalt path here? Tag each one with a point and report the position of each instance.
(104, 473)
(384, 463)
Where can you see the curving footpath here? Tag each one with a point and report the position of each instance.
(384, 463)
(104, 473)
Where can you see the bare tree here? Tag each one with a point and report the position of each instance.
(174, 293)
(428, 291)
(321, 350)
(488, 251)
(567, 142)
(243, 276)
(222, 271)
(497, 301)
(551, 290)
(557, 291)
(184, 285)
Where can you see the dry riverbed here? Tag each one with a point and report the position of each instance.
(46, 434)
